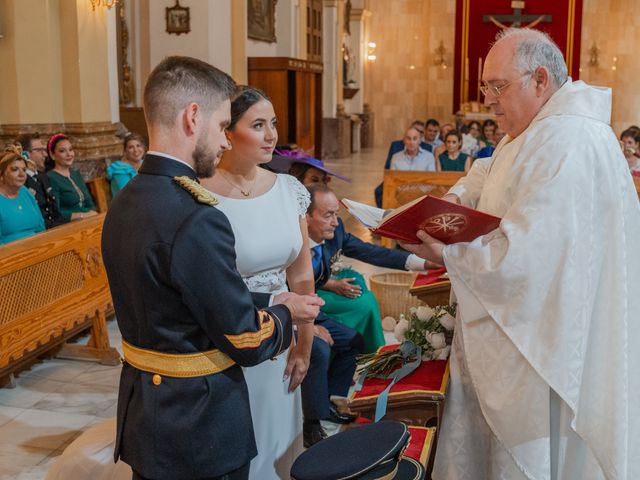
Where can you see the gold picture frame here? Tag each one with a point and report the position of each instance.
(178, 19)
(261, 20)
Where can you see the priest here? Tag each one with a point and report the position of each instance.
(544, 380)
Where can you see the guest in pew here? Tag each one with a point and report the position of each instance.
(471, 141)
(489, 149)
(488, 132)
(453, 160)
(347, 298)
(19, 213)
(398, 146)
(444, 130)
(630, 141)
(413, 157)
(431, 131)
(305, 168)
(73, 196)
(121, 171)
(38, 182)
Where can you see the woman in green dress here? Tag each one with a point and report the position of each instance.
(453, 160)
(73, 196)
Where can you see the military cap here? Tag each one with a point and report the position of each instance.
(369, 452)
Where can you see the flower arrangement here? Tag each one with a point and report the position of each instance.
(428, 331)
(427, 328)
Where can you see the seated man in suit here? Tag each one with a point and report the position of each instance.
(37, 180)
(398, 146)
(347, 298)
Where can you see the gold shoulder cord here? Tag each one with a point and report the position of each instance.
(200, 193)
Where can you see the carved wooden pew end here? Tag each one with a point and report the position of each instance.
(54, 287)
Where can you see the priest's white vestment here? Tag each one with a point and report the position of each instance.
(545, 367)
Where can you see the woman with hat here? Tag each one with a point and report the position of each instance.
(74, 200)
(19, 212)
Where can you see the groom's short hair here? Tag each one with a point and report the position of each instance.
(177, 81)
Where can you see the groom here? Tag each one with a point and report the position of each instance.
(188, 322)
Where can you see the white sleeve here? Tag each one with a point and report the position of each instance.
(300, 193)
(469, 187)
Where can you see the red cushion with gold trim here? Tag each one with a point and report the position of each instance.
(420, 444)
(430, 377)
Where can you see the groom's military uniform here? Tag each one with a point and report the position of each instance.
(188, 323)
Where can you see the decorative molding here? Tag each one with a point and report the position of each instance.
(127, 85)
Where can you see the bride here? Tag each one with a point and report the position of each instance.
(267, 215)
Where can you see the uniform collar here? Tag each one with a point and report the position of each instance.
(156, 163)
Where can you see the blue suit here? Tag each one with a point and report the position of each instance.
(328, 376)
(395, 147)
(353, 247)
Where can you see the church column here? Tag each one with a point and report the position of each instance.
(63, 76)
(336, 125)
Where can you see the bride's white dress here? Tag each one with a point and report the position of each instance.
(268, 240)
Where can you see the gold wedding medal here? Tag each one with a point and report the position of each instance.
(445, 224)
(200, 193)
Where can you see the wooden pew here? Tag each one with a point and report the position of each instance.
(101, 192)
(636, 180)
(53, 286)
(401, 187)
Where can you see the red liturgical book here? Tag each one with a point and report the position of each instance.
(445, 221)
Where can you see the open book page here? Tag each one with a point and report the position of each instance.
(402, 208)
(369, 216)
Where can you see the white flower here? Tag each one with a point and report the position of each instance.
(401, 329)
(388, 324)
(436, 340)
(441, 353)
(413, 310)
(424, 313)
(426, 356)
(447, 321)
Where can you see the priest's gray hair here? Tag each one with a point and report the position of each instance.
(536, 49)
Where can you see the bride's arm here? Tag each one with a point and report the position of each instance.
(300, 280)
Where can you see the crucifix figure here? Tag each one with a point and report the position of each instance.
(517, 19)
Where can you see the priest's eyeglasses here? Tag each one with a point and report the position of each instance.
(495, 90)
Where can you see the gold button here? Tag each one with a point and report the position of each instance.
(157, 379)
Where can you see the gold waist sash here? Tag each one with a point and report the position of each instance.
(176, 364)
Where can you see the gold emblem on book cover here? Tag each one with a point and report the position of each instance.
(445, 224)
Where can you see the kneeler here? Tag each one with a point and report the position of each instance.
(415, 400)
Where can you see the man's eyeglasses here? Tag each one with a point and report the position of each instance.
(495, 90)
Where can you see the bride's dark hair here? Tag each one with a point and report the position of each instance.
(245, 98)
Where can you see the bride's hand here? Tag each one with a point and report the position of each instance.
(297, 366)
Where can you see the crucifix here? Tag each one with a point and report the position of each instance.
(517, 19)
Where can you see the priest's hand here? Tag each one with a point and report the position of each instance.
(452, 198)
(304, 308)
(430, 249)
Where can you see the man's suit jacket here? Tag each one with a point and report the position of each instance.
(171, 266)
(350, 246)
(40, 186)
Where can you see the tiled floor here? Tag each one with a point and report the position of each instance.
(56, 400)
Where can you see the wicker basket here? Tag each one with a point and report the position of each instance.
(392, 292)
